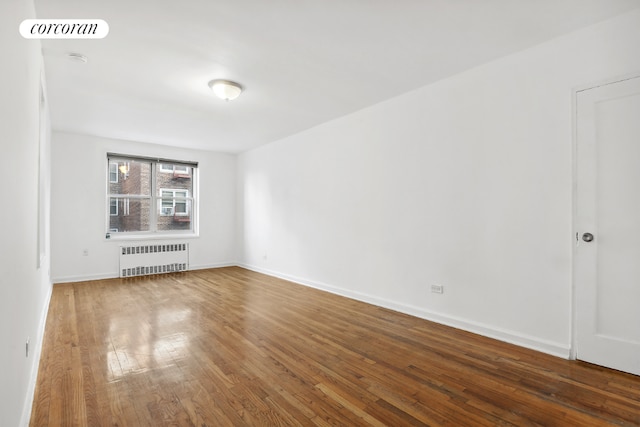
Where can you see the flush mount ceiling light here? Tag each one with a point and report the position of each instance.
(225, 89)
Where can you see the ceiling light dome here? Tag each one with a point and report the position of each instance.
(225, 89)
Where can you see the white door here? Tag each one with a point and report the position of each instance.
(607, 226)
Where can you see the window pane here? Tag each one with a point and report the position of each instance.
(181, 207)
(133, 215)
(174, 207)
(134, 177)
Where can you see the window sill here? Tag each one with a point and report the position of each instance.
(154, 236)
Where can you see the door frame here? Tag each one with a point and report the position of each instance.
(573, 350)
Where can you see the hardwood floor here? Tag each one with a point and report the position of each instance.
(231, 347)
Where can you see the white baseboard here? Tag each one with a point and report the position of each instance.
(84, 278)
(36, 351)
(115, 274)
(215, 265)
(512, 337)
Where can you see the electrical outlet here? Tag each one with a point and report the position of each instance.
(85, 252)
(26, 348)
(437, 289)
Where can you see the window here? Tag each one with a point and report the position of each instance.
(175, 169)
(174, 202)
(113, 173)
(113, 207)
(147, 196)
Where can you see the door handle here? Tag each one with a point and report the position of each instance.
(587, 237)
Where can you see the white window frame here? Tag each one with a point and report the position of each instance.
(155, 199)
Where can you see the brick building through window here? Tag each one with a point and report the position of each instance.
(150, 195)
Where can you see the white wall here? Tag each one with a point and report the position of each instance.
(465, 183)
(78, 210)
(25, 288)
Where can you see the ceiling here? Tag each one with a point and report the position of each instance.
(302, 62)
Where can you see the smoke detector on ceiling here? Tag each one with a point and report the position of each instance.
(77, 57)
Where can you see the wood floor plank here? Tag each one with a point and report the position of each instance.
(232, 347)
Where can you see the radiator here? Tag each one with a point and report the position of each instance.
(141, 260)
